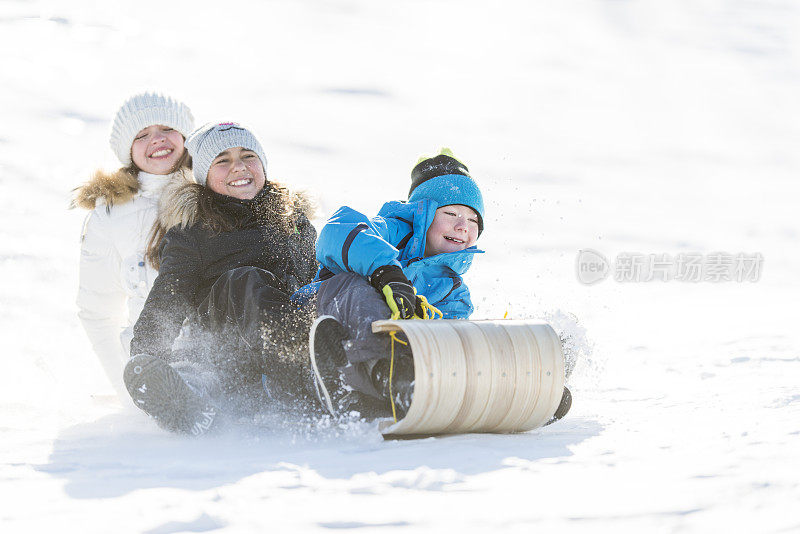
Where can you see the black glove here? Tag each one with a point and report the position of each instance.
(397, 290)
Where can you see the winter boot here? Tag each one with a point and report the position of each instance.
(161, 392)
(364, 406)
(402, 381)
(563, 406)
(327, 357)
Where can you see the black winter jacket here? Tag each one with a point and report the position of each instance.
(193, 258)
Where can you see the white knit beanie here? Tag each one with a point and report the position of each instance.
(141, 111)
(209, 140)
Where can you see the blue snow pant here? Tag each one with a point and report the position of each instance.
(356, 304)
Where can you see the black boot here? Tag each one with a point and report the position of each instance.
(402, 381)
(364, 406)
(161, 392)
(563, 406)
(327, 358)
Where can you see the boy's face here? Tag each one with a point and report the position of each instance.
(454, 228)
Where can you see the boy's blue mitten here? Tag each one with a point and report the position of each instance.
(396, 288)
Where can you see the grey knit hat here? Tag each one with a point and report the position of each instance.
(141, 111)
(209, 140)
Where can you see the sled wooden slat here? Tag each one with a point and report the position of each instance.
(551, 376)
(501, 378)
(473, 411)
(479, 376)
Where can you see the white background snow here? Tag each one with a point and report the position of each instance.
(621, 126)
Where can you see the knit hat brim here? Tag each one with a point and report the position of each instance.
(451, 189)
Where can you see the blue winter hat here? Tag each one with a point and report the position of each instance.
(446, 181)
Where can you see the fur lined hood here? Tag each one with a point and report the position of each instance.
(118, 187)
(179, 204)
(115, 188)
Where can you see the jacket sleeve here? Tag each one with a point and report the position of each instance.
(170, 300)
(307, 235)
(351, 242)
(457, 304)
(101, 299)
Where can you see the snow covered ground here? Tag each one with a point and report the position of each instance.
(625, 127)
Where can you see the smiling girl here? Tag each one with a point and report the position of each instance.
(147, 136)
(236, 247)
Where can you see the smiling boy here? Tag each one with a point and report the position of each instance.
(454, 228)
(370, 268)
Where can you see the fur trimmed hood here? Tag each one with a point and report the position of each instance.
(179, 204)
(115, 188)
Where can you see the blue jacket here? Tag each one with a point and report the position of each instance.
(396, 236)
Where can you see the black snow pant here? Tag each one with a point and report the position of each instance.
(356, 304)
(258, 338)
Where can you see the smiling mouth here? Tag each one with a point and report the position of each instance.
(241, 182)
(455, 240)
(158, 154)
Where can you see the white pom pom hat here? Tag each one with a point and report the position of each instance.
(141, 111)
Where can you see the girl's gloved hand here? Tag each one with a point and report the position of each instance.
(396, 288)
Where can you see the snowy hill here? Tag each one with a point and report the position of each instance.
(623, 127)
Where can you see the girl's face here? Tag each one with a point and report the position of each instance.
(454, 228)
(236, 172)
(157, 149)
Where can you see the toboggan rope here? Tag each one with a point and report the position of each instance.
(429, 311)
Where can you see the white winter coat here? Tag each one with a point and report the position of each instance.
(115, 278)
